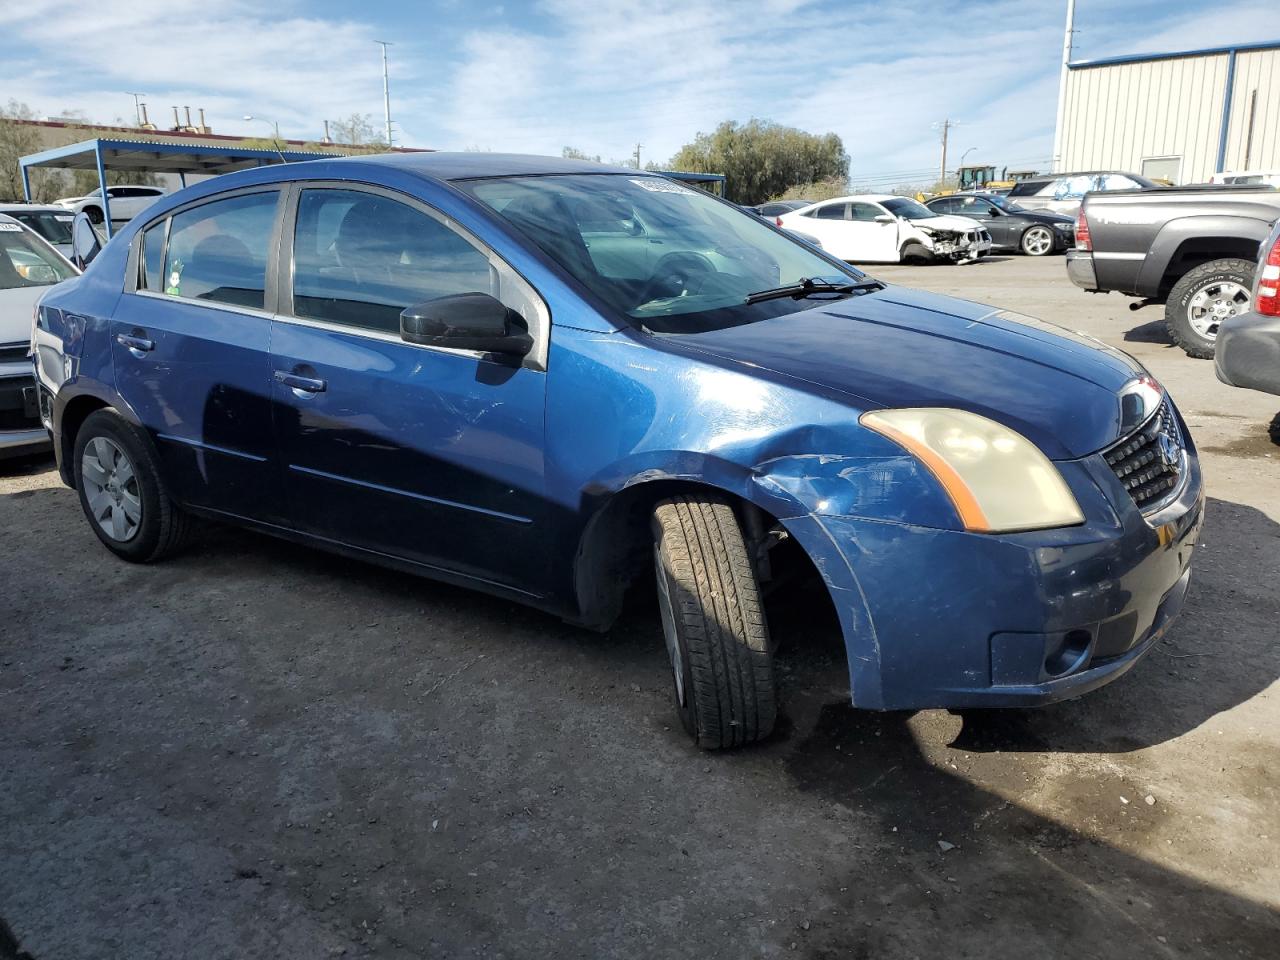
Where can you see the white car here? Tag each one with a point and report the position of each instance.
(126, 202)
(1238, 177)
(52, 222)
(888, 229)
(28, 266)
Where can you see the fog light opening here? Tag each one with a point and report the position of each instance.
(1068, 653)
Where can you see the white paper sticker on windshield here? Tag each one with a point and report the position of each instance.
(10, 228)
(63, 216)
(655, 185)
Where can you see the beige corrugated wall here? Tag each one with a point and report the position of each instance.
(1117, 115)
(1256, 70)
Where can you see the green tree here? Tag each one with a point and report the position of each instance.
(762, 159)
(573, 153)
(358, 130)
(16, 141)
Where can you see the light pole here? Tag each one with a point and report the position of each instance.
(275, 127)
(386, 89)
(965, 154)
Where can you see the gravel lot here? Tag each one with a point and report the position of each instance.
(259, 751)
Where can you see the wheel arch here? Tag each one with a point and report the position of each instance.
(1187, 242)
(74, 413)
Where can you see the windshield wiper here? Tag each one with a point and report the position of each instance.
(807, 285)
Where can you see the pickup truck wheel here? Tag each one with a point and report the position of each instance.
(122, 492)
(1203, 298)
(713, 622)
(1037, 242)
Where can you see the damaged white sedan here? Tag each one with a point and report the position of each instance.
(888, 229)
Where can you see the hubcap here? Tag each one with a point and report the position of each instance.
(669, 625)
(111, 488)
(1037, 242)
(1215, 302)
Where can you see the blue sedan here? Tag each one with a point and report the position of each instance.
(554, 381)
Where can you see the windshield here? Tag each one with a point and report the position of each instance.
(672, 258)
(25, 262)
(909, 209)
(54, 227)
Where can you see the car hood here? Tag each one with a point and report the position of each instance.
(947, 222)
(1043, 216)
(16, 306)
(906, 348)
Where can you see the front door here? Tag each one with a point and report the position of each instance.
(425, 454)
(877, 238)
(190, 351)
(1003, 232)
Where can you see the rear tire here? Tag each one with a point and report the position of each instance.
(122, 491)
(94, 215)
(1037, 242)
(713, 622)
(1203, 298)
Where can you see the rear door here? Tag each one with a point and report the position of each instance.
(427, 454)
(189, 347)
(827, 223)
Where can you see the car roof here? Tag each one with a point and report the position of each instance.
(474, 165)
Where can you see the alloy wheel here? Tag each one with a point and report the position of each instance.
(1037, 241)
(1215, 302)
(111, 488)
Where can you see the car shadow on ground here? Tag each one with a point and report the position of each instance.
(490, 776)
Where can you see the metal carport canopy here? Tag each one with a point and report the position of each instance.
(155, 156)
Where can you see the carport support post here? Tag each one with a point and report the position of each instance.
(26, 183)
(102, 182)
(182, 179)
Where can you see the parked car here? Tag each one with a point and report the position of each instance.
(776, 208)
(28, 265)
(125, 201)
(1033, 232)
(1247, 353)
(1191, 249)
(51, 222)
(1243, 178)
(461, 366)
(67, 202)
(881, 228)
(1063, 192)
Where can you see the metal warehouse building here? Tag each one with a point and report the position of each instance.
(1180, 116)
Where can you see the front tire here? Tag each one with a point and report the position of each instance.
(1203, 298)
(916, 253)
(713, 622)
(122, 492)
(1037, 242)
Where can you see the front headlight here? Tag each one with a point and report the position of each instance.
(998, 480)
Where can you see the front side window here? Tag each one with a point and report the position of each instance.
(218, 250)
(359, 259)
(702, 259)
(25, 262)
(865, 211)
(946, 205)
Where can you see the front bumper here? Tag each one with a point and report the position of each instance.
(1081, 271)
(21, 431)
(1247, 352)
(944, 618)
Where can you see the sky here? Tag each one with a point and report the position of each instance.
(603, 75)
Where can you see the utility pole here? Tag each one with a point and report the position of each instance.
(946, 126)
(386, 89)
(638, 146)
(137, 110)
(1068, 39)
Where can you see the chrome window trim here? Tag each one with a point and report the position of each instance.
(206, 304)
(536, 359)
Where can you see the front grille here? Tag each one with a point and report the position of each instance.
(18, 407)
(13, 352)
(1149, 462)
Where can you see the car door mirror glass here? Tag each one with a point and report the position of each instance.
(466, 321)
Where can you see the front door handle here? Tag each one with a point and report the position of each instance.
(136, 344)
(301, 384)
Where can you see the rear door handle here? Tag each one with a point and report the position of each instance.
(137, 344)
(303, 384)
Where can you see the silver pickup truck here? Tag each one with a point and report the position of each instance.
(1192, 249)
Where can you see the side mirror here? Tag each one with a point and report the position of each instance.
(86, 242)
(466, 321)
(885, 218)
(991, 212)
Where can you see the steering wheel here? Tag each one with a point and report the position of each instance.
(676, 274)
